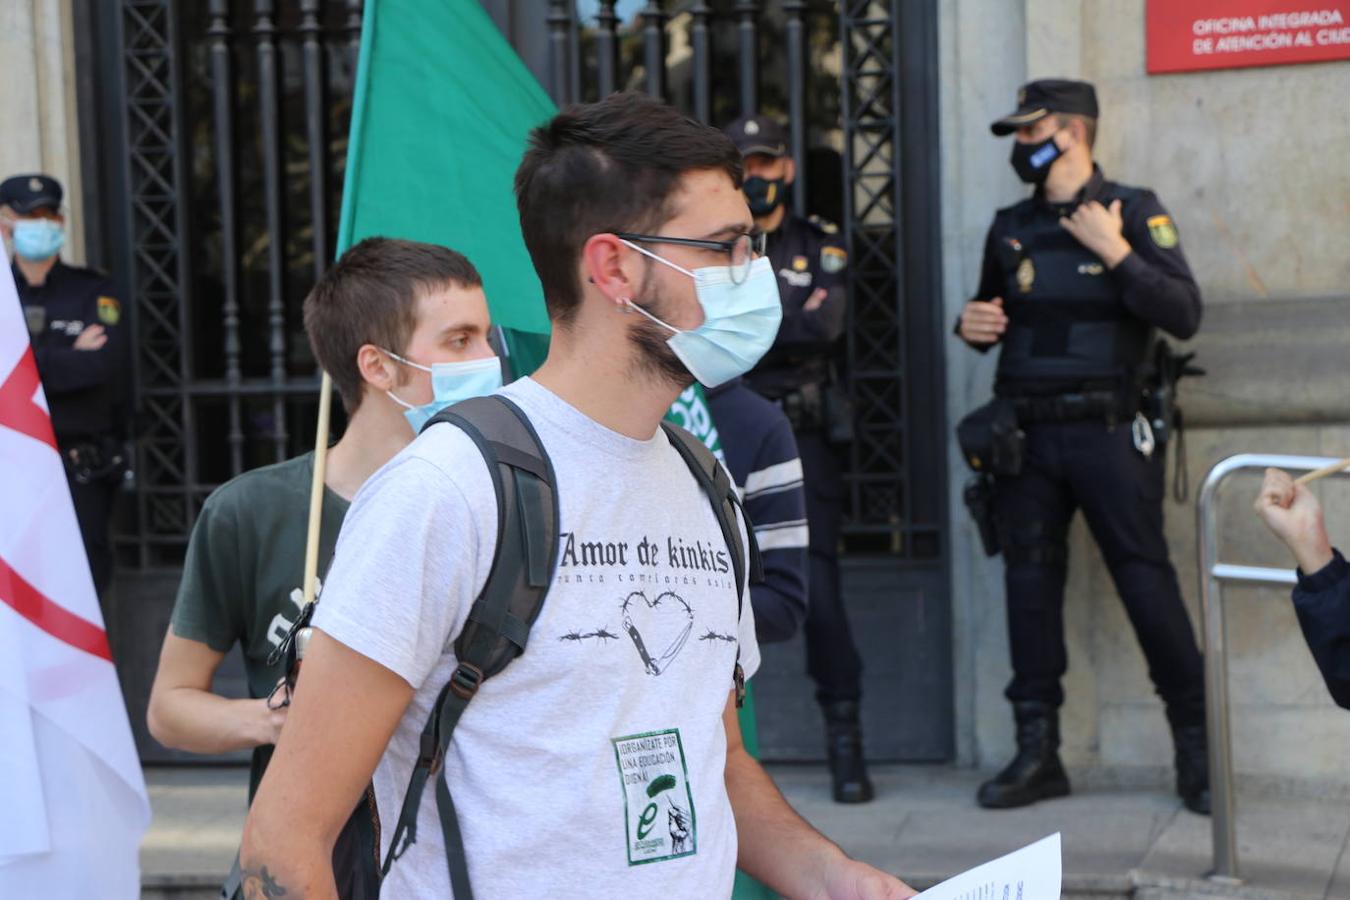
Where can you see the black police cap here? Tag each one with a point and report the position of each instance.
(758, 134)
(25, 193)
(1038, 99)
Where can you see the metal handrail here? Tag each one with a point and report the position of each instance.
(1212, 575)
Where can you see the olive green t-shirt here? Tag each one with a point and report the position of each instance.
(244, 566)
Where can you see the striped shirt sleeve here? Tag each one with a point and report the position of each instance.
(776, 503)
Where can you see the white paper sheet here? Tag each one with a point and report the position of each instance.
(1032, 873)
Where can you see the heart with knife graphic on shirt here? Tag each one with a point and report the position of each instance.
(659, 627)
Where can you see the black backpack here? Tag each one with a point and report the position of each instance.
(498, 625)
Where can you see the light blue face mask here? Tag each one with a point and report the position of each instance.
(38, 239)
(740, 321)
(450, 383)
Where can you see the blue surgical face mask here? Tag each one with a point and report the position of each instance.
(450, 383)
(740, 321)
(38, 239)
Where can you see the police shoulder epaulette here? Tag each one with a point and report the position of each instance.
(89, 273)
(1021, 206)
(1128, 195)
(1125, 192)
(824, 226)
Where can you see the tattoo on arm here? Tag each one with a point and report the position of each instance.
(261, 885)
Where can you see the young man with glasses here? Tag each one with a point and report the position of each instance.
(606, 760)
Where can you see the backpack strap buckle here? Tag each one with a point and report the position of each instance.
(466, 681)
(429, 753)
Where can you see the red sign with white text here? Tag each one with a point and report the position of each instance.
(1191, 35)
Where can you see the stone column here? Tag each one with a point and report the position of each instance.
(37, 102)
(983, 59)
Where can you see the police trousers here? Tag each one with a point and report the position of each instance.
(93, 501)
(832, 658)
(1095, 468)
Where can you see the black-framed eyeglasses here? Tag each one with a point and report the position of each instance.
(742, 250)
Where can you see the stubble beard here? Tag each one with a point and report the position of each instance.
(654, 360)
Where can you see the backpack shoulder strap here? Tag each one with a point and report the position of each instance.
(527, 534)
(716, 483)
(499, 622)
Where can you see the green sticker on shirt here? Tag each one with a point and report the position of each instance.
(659, 816)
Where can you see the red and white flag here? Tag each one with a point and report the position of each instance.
(73, 806)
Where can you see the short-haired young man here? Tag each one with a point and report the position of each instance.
(589, 767)
(386, 310)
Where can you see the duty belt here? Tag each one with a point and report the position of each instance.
(1101, 405)
(804, 407)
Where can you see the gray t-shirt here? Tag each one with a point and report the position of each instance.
(593, 766)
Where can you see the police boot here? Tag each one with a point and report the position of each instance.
(1192, 761)
(1035, 772)
(843, 744)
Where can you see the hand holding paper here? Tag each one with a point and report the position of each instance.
(1032, 873)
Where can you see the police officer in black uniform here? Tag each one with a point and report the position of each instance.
(75, 325)
(798, 374)
(1075, 281)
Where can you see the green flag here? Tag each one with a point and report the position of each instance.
(442, 110)
(440, 117)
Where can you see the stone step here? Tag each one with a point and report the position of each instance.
(1136, 886)
(1119, 841)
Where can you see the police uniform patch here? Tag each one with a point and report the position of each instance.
(833, 259)
(109, 310)
(1026, 275)
(1163, 232)
(799, 263)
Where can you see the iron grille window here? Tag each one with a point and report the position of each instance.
(235, 116)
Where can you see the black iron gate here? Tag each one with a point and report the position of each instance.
(221, 130)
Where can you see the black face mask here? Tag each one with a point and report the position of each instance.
(1032, 162)
(764, 195)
